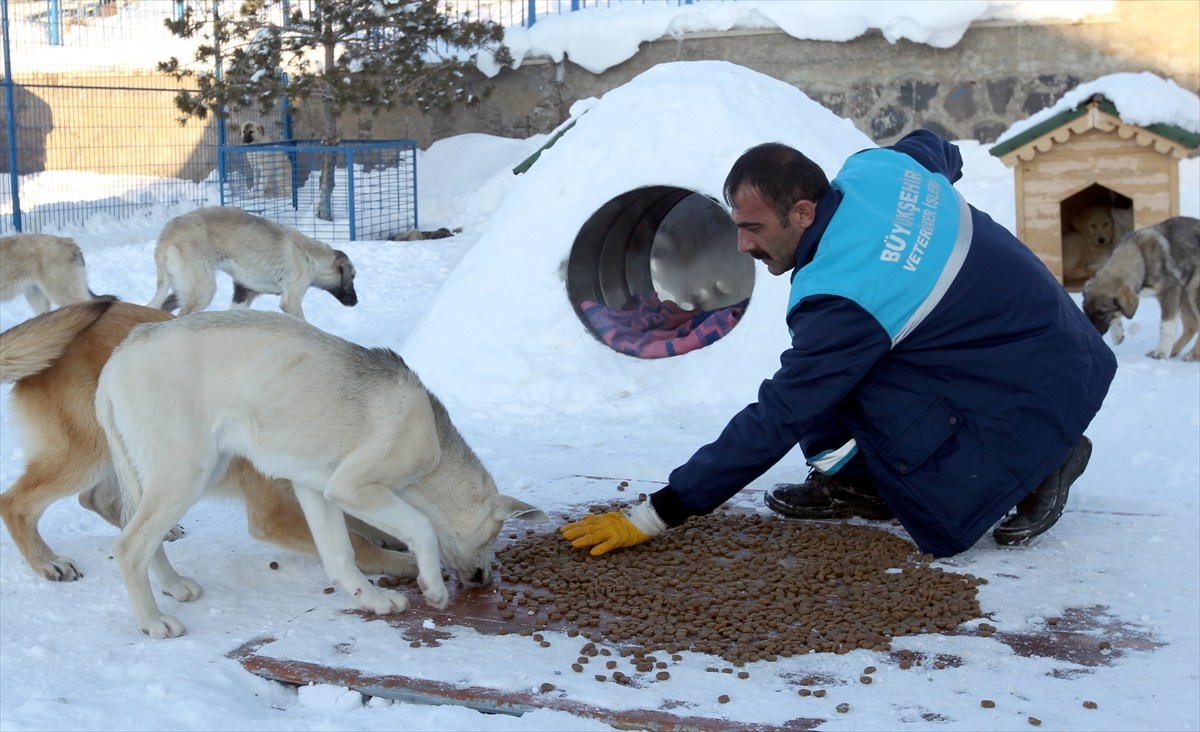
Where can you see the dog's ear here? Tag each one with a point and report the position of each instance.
(508, 507)
(1127, 299)
(345, 266)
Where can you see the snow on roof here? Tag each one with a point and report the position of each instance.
(1143, 99)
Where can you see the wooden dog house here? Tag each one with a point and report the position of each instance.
(1087, 157)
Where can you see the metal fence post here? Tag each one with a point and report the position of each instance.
(10, 118)
(350, 193)
(532, 14)
(54, 22)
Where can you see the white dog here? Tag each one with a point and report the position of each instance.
(353, 429)
(260, 255)
(47, 269)
(272, 169)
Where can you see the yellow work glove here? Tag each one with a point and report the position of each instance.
(614, 530)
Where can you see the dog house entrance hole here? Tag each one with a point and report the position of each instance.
(1093, 220)
(656, 272)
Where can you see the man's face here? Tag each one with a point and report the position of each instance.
(763, 236)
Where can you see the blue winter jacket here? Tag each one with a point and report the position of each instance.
(959, 365)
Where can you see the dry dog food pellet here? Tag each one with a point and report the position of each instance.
(726, 670)
(805, 692)
(662, 675)
(987, 704)
(743, 674)
(610, 664)
(819, 693)
(577, 668)
(547, 688)
(869, 670)
(864, 679)
(1090, 705)
(1035, 721)
(1051, 621)
(1104, 646)
(329, 590)
(274, 565)
(724, 698)
(843, 707)
(414, 644)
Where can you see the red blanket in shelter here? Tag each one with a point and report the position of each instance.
(647, 327)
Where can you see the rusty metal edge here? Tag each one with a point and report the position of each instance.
(489, 701)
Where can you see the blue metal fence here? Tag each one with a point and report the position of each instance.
(372, 193)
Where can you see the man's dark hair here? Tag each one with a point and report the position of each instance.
(782, 175)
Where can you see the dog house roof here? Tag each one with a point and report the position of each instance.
(1098, 113)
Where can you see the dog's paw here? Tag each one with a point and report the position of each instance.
(435, 593)
(1156, 353)
(164, 626)
(184, 589)
(381, 602)
(176, 532)
(59, 569)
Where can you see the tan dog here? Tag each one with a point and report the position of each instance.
(1090, 242)
(55, 361)
(260, 255)
(1165, 258)
(272, 169)
(48, 270)
(353, 429)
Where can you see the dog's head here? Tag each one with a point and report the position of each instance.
(338, 279)
(1096, 225)
(467, 540)
(253, 132)
(460, 499)
(1104, 304)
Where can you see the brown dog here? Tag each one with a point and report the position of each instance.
(54, 361)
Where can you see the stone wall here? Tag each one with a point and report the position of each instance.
(998, 74)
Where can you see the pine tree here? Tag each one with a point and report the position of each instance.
(330, 56)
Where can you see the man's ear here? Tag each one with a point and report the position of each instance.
(803, 213)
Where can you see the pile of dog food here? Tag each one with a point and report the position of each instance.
(744, 587)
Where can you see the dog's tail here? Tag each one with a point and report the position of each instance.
(33, 346)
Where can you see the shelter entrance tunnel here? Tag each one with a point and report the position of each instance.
(655, 272)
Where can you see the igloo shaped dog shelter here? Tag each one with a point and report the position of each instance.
(650, 155)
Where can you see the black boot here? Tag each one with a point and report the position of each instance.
(1038, 511)
(824, 497)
